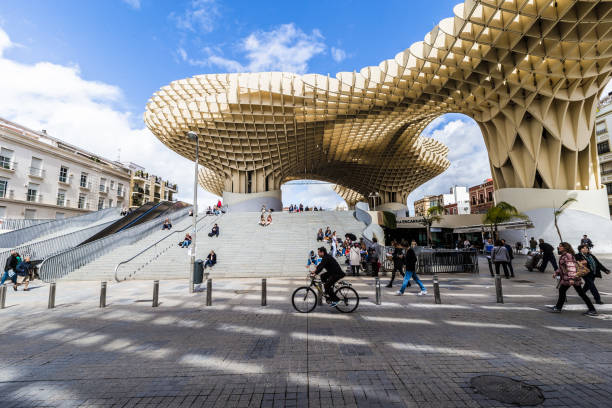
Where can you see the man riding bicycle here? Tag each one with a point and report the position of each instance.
(332, 275)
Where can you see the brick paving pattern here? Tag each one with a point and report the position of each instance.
(407, 352)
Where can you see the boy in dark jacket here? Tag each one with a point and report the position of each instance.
(9, 269)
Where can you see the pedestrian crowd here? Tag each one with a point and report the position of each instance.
(294, 208)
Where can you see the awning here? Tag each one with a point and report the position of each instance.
(511, 225)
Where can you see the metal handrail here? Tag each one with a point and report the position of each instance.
(18, 237)
(19, 223)
(52, 246)
(65, 262)
(157, 242)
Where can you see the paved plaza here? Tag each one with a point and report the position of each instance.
(407, 352)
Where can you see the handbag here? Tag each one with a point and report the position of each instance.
(581, 270)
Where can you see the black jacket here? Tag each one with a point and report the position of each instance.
(23, 268)
(11, 263)
(410, 260)
(398, 255)
(510, 251)
(547, 249)
(212, 258)
(330, 265)
(598, 265)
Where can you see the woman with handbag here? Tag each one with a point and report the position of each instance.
(587, 259)
(569, 274)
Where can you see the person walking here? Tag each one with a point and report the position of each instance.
(410, 260)
(548, 255)
(586, 258)
(376, 254)
(355, 259)
(566, 273)
(334, 244)
(533, 244)
(510, 255)
(23, 270)
(500, 257)
(398, 262)
(9, 269)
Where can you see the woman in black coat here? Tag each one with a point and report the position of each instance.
(585, 257)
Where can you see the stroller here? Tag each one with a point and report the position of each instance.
(534, 260)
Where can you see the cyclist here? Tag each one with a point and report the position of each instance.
(332, 275)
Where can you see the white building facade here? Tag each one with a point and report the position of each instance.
(603, 127)
(43, 177)
(460, 196)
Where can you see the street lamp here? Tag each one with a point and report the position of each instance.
(193, 136)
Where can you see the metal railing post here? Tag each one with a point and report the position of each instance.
(209, 292)
(2, 296)
(436, 287)
(264, 295)
(498, 289)
(103, 294)
(51, 303)
(155, 293)
(378, 291)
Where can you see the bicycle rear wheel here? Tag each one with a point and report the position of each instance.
(349, 299)
(304, 299)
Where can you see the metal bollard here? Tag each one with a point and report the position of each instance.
(436, 287)
(209, 292)
(498, 289)
(2, 296)
(103, 294)
(264, 295)
(51, 303)
(155, 293)
(378, 292)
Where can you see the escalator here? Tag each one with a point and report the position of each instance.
(142, 214)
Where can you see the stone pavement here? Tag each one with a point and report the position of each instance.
(407, 352)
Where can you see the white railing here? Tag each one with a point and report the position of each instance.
(63, 263)
(36, 172)
(15, 224)
(157, 249)
(18, 237)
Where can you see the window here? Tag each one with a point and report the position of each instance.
(112, 186)
(100, 203)
(601, 128)
(603, 147)
(63, 176)
(83, 180)
(102, 184)
(489, 196)
(29, 214)
(609, 188)
(61, 197)
(82, 201)
(36, 167)
(480, 198)
(119, 189)
(110, 202)
(473, 200)
(3, 187)
(6, 156)
(32, 194)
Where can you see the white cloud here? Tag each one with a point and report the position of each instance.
(5, 42)
(467, 154)
(85, 113)
(320, 195)
(201, 16)
(338, 54)
(135, 4)
(286, 48)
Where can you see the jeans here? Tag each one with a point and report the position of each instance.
(396, 268)
(185, 244)
(589, 284)
(511, 268)
(6, 276)
(328, 283)
(375, 268)
(563, 297)
(504, 265)
(208, 263)
(546, 259)
(413, 275)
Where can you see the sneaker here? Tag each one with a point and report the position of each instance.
(600, 302)
(399, 293)
(422, 293)
(590, 313)
(554, 309)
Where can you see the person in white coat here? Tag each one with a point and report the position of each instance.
(355, 259)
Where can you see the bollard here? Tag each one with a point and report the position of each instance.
(436, 287)
(2, 296)
(498, 289)
(103, 294)
(209, 292)
(264, 295)
(378, 294)
(155, 293)
(51, 303)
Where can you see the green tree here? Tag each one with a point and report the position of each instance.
(433, 214)
(502, 212)
(558, 211)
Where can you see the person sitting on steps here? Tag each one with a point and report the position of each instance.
(211, 259)
(214, 232)
(167, 224)
(186, 241)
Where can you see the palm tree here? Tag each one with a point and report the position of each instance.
(502, 212)
(558, 211)
(432, 215)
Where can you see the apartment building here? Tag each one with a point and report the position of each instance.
(147, 187)
(603, 124)
(482, 197)
(421, 206)
(44, 177)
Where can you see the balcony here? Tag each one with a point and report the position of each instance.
(170, 186)
(601, 131)
(140, 175)
(85, 185)
(138, 190)
(156, 195)
(34, 198)
(103, 189)
(36, 172)
(62, 202)
(83, 206)
(7, 164)
(10, 194)
(65, 180)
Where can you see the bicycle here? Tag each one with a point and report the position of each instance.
(305, 299)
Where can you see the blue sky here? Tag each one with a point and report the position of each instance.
(102, 60)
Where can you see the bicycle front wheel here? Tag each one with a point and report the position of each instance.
(304, 299)
(349, 299)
